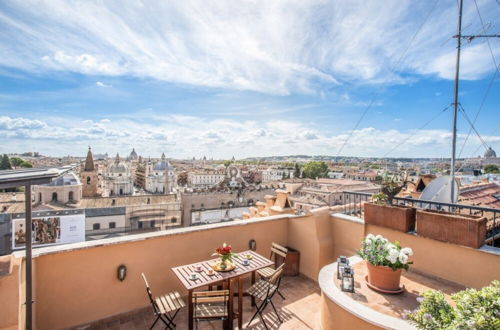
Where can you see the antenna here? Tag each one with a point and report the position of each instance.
(455, 103)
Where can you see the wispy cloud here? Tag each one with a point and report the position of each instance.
(267, 46)
(187, 136)
(101, 84)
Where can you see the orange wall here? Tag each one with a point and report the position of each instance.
(80, 286)
(311, 236)
(335, 317)
(346, 235)
(9, 298)
(459, 264)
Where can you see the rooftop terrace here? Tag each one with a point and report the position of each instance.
(75, 285)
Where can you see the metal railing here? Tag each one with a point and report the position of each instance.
(353, 205)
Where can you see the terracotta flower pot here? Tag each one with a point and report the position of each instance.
(383, 278)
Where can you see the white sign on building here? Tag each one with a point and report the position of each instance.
(49, 230)
(218, 215)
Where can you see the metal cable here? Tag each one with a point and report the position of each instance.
(392, 71)
(418, 129)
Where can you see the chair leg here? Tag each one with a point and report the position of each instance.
(263, 321)
(279, 319)
(154, 323)
(258, 311)
(281, 295)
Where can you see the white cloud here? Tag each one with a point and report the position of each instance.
(187, 136)
(268, 46)
(101, 84)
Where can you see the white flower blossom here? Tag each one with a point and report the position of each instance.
(378, 237)
(393, 256)
(408, 251)
(370, 237)
(403, 258)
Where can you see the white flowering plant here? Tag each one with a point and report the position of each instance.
(378, 251)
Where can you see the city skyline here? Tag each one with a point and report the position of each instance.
(243, 80)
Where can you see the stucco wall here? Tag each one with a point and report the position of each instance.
(311, 236)
(347, 233)
(459, 264)
(80, 286)
(335, 317)
(9, 297)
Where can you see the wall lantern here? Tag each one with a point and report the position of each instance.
(347, 284)
(342, 262)
(252, 245)
(121, 272)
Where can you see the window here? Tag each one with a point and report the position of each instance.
(96, 226)
(113, 202)
(174, 220)
(88, 180)
(112, 225)
(40, 197)
(70, 196)
(54, 197)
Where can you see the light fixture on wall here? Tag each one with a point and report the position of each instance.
(121, 272)
(252, 245)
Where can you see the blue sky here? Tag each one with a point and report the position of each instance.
(253, 78)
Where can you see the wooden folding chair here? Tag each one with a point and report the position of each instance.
(264, 290)
(164, 306)
(210, 306)
(276, 250)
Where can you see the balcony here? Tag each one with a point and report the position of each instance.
(75, 285)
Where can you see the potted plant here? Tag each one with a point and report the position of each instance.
(225, 255)
(384, 261)
(382, 212)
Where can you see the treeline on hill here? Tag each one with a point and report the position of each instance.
(7, 163)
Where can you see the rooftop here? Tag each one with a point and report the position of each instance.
(313, 301)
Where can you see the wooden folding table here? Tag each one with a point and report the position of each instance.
(183, 273)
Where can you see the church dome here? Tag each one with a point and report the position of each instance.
(133, 155)
(68, 179)
(490, 153)
(163, 164)
(117, 166)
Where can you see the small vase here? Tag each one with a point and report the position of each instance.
(223, 264)
(384, 278)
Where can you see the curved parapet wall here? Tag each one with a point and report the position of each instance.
(340, 311)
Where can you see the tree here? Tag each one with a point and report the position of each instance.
(19, 162)
(182, 179)
(296, 172)
(315, 169)
(5, 163)
(16, 162)
(492, 168)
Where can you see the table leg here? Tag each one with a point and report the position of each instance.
(240, 303)
(253, 282)
(190, 309)
(231, 311)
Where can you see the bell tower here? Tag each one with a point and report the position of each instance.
(88, 176)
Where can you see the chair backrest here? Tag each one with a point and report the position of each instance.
(277, 274)
(156, 309)
(275, 281)
(277, 249)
